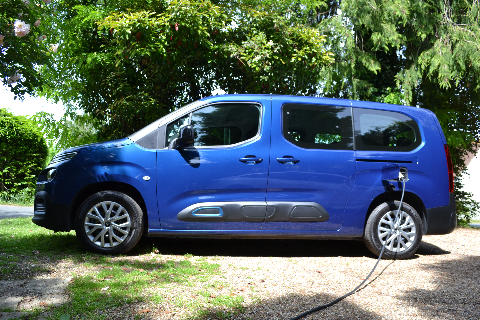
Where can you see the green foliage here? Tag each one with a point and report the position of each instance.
(66, 133)
(420, 53)
(467, 208)
(129, 63)
(24, 197)
(126, 63)
(272, 55)
(427, 52)
(22, 54)
(22, 152)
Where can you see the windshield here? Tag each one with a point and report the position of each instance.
(154, 125)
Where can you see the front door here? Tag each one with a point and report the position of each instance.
(220, 182)
(312, 167)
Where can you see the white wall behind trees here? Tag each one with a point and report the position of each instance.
(472, 181)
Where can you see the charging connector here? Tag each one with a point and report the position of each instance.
(403, 174)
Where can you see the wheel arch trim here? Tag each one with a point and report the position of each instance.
(122, 187)
(411, 198)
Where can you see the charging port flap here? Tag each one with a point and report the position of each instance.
(391, 172)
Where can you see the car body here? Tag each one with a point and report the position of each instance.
(259, 166)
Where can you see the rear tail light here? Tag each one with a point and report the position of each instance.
(450, 168)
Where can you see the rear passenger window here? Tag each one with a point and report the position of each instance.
(379, 130)
(318, 126)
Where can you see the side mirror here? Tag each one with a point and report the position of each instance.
(186, 136)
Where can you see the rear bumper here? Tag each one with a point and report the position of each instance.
(50, 215)
(442, 220)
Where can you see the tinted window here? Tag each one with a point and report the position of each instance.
(226, 124)
(379, 130)
(173, 128)
(220, 124)
(318, 127)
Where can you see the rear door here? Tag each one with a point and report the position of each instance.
(385, 138)
(312, 166)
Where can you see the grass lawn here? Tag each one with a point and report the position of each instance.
(106, 286)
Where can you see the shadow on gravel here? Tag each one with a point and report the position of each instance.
(428, 249)
(289, 306)
(456, 294)
(253, 248)
(266, 247)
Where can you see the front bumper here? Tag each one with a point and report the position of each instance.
(54, 197)
(51, 215)
(442, 220)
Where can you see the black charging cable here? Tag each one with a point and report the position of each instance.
(403, 178)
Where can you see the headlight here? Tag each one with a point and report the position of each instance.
(51, 174)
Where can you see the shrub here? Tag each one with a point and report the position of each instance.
(24, 197)
(23, 151)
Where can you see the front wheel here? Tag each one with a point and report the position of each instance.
(401, 234)
(109, 222)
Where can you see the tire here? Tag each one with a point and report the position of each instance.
(405, 237)
(117, 234)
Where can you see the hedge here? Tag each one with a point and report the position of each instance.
(23, 151)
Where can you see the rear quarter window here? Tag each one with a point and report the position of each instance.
(380, 130)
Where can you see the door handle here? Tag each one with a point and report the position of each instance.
(288, 160)
(251, 160)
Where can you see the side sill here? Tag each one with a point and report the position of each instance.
(249, 235)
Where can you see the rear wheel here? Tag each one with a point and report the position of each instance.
(401, 235)
(109, 222)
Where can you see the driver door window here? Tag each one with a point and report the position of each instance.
(220, 124)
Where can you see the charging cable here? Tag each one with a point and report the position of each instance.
(403, 177)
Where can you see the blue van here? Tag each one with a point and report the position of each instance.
(259, 166)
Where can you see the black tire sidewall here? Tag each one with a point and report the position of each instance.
(371, 235)
(133, 209)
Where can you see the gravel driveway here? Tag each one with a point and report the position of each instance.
(441, 282)
(280, 279)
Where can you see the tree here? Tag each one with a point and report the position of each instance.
(24, 45)
(429, 51)
(22, 152)
(422, 53)
(131, 62)
(66, 133)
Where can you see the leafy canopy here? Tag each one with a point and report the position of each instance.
(420, 53)
(26, 32)
(425, 52)
(128, 63)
